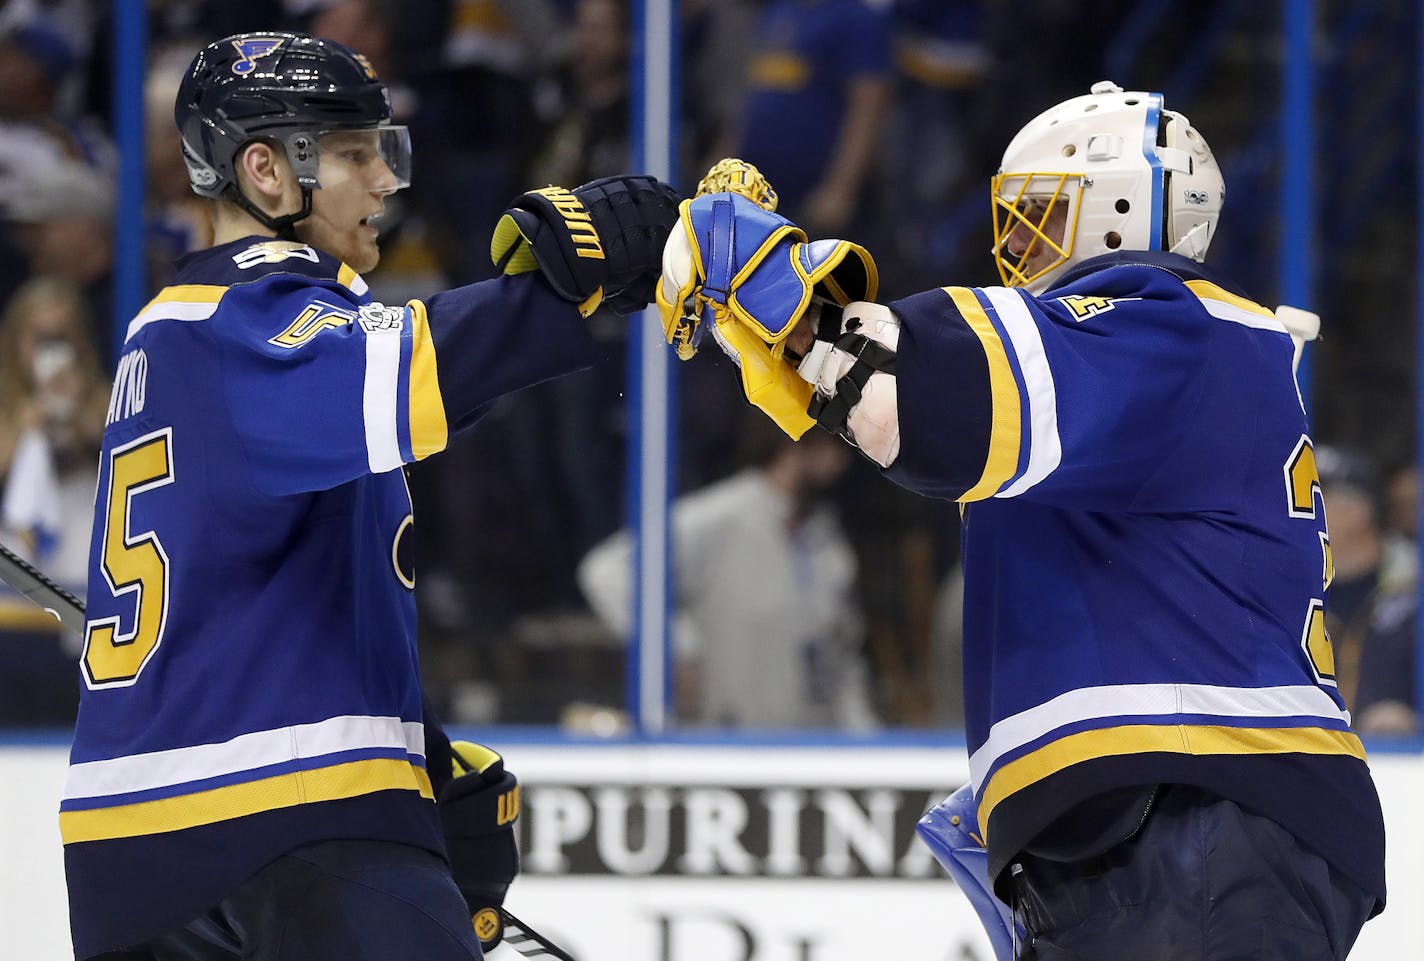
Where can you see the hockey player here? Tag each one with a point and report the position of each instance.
(251, 775)
(1161, 761)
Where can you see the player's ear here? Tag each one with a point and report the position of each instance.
(263, 173)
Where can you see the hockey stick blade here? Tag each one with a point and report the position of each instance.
(528, 942)
(31, 582)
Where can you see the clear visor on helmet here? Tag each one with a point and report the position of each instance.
(380, 156)
(1032, 232)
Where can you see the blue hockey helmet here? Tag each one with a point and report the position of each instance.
(283, 88)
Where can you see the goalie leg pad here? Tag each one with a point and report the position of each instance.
(951, 830)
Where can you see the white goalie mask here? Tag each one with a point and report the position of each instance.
(1113, 170)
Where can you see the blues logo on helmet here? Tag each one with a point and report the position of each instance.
(251, 48)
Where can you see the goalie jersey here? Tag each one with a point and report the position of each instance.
(250, 676)
(1145, 551)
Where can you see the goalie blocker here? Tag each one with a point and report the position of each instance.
(750, 276)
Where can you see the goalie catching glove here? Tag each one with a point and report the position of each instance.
(748, 275)
(598, 243)
(477, 810)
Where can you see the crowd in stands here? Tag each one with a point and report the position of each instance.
(877, 120)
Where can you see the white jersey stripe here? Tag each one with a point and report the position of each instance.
(1224, 311)
(141, 772)
(1045, 448)
(169, 310)
(1149, 700)
(383, 354)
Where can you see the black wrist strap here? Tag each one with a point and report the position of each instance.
(833, 413)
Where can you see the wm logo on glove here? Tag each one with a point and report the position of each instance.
(508, 807)
(576, 218)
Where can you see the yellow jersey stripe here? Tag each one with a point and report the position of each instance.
(239, 800)
(181, 302)
(1154, 738)
(429, 431)
(189, 294)
(1006, 420)
(351, 280)
(1206, 290)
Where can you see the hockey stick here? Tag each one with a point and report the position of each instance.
(34, 584)
(528, 942)
(31, 582)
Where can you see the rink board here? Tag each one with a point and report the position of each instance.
(706, 852)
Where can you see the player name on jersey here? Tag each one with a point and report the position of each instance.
(130, 386)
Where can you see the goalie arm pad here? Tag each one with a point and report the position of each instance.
(851, 367)
(598, 243)
(477, 810)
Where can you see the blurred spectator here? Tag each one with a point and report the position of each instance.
(1401, 495)
(484, 112)
(946, 674)
(1387, 696)
(941, 59)
(589, 138)
(714, 52)
(38, 131)
(569, 434)
(42, 60)
(563, 441)
(64, 229)
(394, 37)
(178, 220)
(1371, 605)
(817, 91)
(766, 631)
(50, 379)
(53, 399)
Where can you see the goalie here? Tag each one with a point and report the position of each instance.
(1161, 762)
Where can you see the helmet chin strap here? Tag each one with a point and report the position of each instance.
(285, 225)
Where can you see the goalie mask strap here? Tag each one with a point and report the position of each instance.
(832, 413)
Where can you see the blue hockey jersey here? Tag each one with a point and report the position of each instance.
(1146, 554)
(250, 676)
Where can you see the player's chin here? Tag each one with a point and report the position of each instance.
(364, 254)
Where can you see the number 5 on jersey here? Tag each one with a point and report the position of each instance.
(133, 564)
